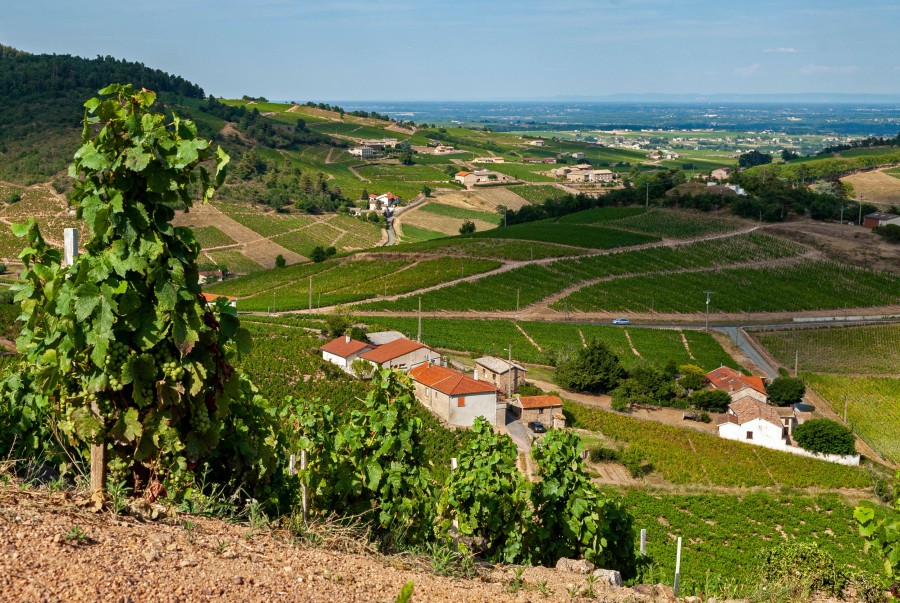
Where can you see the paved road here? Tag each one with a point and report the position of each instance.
(740, 339)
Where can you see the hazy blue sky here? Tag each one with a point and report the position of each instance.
(463, 49)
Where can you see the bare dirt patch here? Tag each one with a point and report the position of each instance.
(875, 187)
(439, 223)
(854, 245)
(56, 551)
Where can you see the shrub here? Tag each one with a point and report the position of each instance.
(786, 391)
(468, 227)
(599, 453)
(318, 254)
(634, 459)
(692, 376)
(280, 262)
(890, 232)
(825, 436)
(713, 400)
(803, 567)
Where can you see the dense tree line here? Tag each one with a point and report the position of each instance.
(264, 131)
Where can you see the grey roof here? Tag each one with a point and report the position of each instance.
(497, 365)
(882, 216)
(383, 337)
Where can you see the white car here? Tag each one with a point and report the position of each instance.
(621, 321)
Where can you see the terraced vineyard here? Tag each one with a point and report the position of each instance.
(414, 234)
(301, 233)
(873, 407)
(684, 456)
(461, 213)
(493, 336)
(805, 285)
(210, 236)
(869, 349)
(534, 282)
(678, 225)
(539, 193)
(351, 281)
(500, 249)
(723, 535)
(233, 260)
(570, 234)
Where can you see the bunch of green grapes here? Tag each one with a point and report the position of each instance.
(115, 360)
(171, 368)
(199, 416)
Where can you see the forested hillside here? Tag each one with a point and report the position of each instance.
(41, 105)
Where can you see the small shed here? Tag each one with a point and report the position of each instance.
(536, 408)
(876, 219)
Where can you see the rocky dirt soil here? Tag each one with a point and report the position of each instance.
(53, 549)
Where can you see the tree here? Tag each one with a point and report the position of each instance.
(825, 436)
(406, 153)
(280, 262)
(119, 349)
(712, 400)
(789, 155)
(592, 369)
(786, 391)
(426, 190)
(890, 232)
(754, 158)
(318, 254)
(468, 227)
(692, 377)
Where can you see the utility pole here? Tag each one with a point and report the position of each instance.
(647, 201)
(310, 294)
(796, 361)
(517, 304)
(708, 293)
(511, 373)
(273, 301)
(845, 409)
(419, 334)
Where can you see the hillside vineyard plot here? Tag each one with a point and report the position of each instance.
(592, 237)
(501, 249)
(869, 349)
(724, 534)
(535, 282)
(806, 285)
(361, 279)
(684, 456)
(873, 407)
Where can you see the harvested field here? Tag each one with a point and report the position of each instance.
(875, 187)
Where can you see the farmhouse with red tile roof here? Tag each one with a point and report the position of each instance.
(401, 354)
(736, 384)
(343, 351)
(454, 397)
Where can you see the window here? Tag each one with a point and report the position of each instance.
(461, 401)
(749, 435)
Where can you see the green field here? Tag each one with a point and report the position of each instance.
(492, 337)
(873, 407)
(688, 457)
(538, 193)
(501, 249)
(532, 283)
(402, 173)
(869, 349)
(806, 285)
(723, 535)
(678, 225)
(415, 234)
(357, 280)
(210, 236)
(233, 260)
(569, 234)
(601, 215)
(460, 213)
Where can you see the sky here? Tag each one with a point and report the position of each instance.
(481, 50)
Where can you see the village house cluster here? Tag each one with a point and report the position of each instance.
(374, 148)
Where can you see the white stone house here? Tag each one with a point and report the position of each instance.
(343, 351)
(454, 397)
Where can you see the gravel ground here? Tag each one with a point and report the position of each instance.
(52, 549)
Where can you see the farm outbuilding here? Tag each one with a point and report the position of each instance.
(536, 408)
(503, 374)
(877, 219)
(343, 351)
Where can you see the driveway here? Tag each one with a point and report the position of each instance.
(519, 433)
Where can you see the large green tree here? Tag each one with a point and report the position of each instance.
(825, 436)
(785, 391)
(593, 368)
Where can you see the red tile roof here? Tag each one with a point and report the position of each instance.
(746, 409)
(531, 402)
(463, 173)
(448, 381)
(394, 349)
(730, 380)
(343, 347)
(208, 297)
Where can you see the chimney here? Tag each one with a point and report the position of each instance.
(347, 338)
(475, 375)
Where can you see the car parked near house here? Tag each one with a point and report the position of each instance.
(621, 321)
(537, 427)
